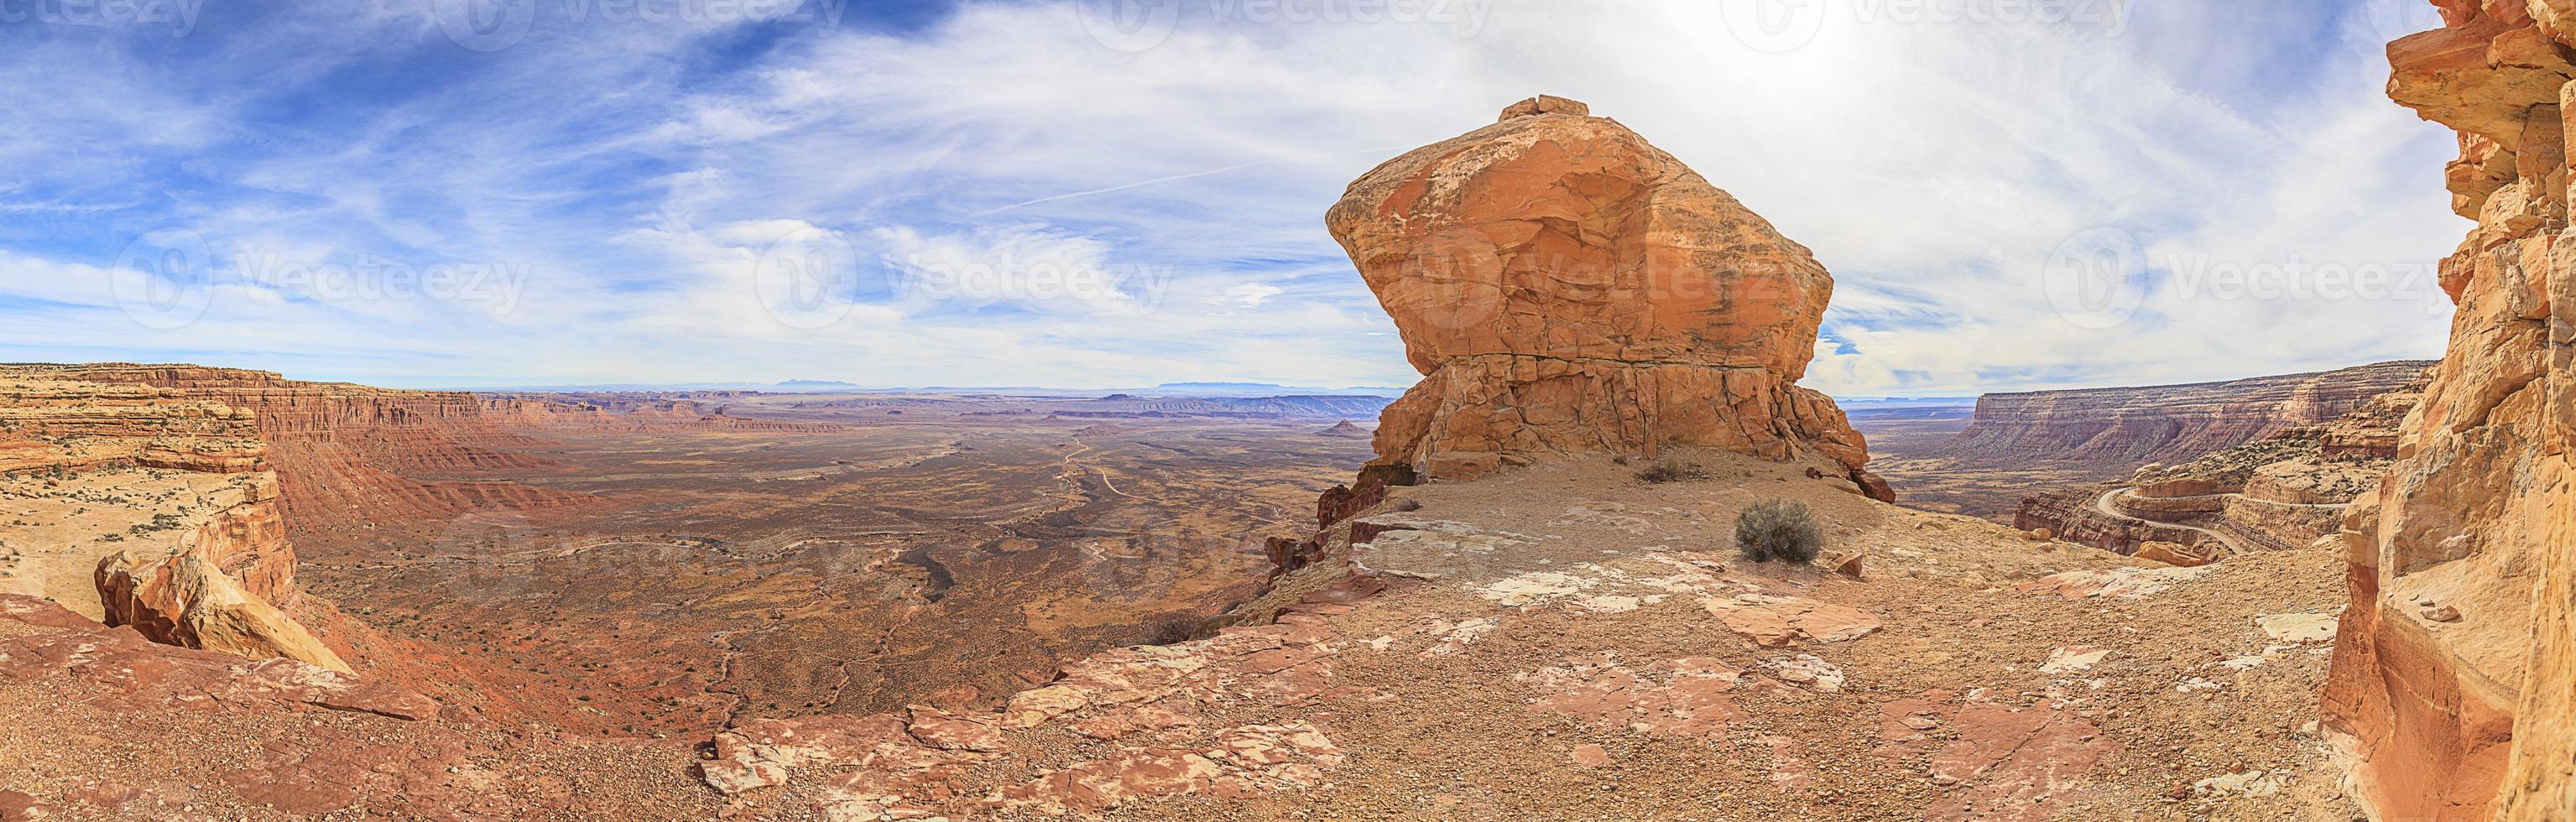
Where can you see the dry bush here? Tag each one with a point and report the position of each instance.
(1670, 469)
(1778, 530)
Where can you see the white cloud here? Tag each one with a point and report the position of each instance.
(1248, 295)
(1007, 157)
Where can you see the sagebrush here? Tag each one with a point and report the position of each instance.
(1669, 469)
(1778, 530)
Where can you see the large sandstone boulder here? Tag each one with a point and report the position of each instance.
(2453, 692)
(180, 598)
(1566, 287)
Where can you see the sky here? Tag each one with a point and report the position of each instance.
(2011, 194)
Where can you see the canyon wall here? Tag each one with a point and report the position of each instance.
(349, 455)
(2449, 696)
(2162, 423)
(1566, 287)
(628, 414)
(48, 421)
(2284, 492)
(139, 506)
(2073, 515)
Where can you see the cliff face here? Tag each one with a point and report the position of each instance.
(2074, 515)
(349, 454)
(2285, 492)
(2163, 423)
(137, 506)
(48, 421)
(2454, 661)
(626, 414)
(1566, 287)
(2268, 496)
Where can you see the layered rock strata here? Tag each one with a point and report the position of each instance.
(1566, 287)
(573, 413)
(2163, 423)
(51, 422)
(2285, 492)
(141, 508)
(2073, 515)
(2454, 663)
(353, 453)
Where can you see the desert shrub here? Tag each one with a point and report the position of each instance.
(1778, 530)
(1670, 469)
(1172, 629)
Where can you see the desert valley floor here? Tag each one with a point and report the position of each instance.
(824, 566)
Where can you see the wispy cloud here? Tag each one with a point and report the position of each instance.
(993, 194)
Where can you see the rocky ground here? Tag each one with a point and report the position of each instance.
(1566, 641)
(1562, 641)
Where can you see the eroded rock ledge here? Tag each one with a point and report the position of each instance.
(142, 507)
(2456, 658)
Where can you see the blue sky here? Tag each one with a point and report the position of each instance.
(2011, 194)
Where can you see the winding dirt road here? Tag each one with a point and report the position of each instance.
(2104, 505)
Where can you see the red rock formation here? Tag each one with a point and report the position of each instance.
(2453, 664)
(218, 585)
(109, 726)
(2072, 515)
(1341, 502)
(51, 422)
(2280, 493)
(925, 762)
(351, 454)
(1565, 287)
(2162, 423)
(401, 431)
(184, 599)
(2372, 431)
(148, 671)
(208, 564)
